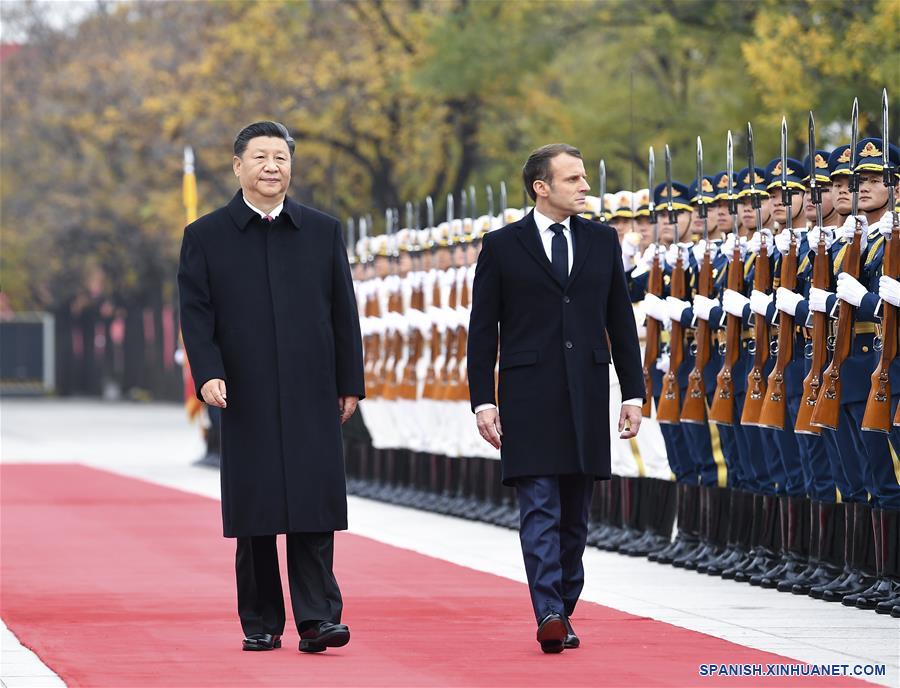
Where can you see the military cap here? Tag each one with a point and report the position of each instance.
(869, 156)
(839, 161)
(680, 197)
(747, 187)
(706, 191)
(720, 185)
(793, 174)
(592, 209)
(624, 205)
(609, 205)
(641, 202)
(821, 159)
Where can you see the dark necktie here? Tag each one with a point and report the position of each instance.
(268, 219)
(559, 253)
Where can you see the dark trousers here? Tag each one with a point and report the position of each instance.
(553, 525)
(315, 595)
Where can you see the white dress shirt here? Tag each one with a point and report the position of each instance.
(275, 212)
(546, 235)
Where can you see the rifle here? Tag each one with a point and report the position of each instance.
(722, 409)
(826, 414)
(812, 383)
(694, 409)
(669, 408)
(762, 281)
(654, 286)
(878, 406)
(774, 408)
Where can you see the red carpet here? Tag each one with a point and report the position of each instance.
(118, 582)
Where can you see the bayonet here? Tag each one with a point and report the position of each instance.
(785, 190)
(463, 204)
(854, 175)
(814, 188)
(651, 169)
(351, 237)
(474, 205)
(602, 190)
(670, 209)
(429, 212)
(503, 202)
(489, 194)
(729, 185)
(409, 215)
(888, 169)
(755, 198)
(449, 208)
(702, 210)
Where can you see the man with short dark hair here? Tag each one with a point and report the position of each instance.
(550, 290)
(267, 308)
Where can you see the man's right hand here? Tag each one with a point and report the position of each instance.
(489, 426)
(213, 392)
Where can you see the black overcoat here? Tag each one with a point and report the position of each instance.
(554, 345)
(270, 309)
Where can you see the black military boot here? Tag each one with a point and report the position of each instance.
(769, 542)
(887, 586)
(688, 557)
(828, 526)
(629, 498)
(817, 591)
(597, 521)
(740, 514)
(688, 536)
(861, 559)
(611, 517)
(646, 489)
(812, 547)
(720, 507)
(795, 547)
(756, 529)
(657, 504)
(778, 561)
(890, 524)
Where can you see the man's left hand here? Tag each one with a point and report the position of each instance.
(346, 407)
(629, 421)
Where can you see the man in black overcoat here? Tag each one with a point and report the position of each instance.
(271, 330)
(550, 290)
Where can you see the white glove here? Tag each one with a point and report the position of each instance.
(630, 249)
(763, 236)
(889, 290)
(733, 302)
(886, 224)
(655, 307)
(700, 248)
(662, 363)
(728, 246)
(818, 300)
(759, 302)
(783, 240)
(676, 307)
(786, 301)
(850, 290)
(703, 305)
(674, 251)
(813, 237)
(849, 227)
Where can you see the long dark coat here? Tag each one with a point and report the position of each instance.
(554, 350)
(270, 309)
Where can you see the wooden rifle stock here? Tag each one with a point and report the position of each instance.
(878, 406)
(694, 408)
(722, 409)
(774, 408)
(826, 414)
(651, 350)
(813, 381)
(669, 408)
(756, 383)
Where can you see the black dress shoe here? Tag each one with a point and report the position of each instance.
(258, 642)
(571, 641)
(552, 632)
(322, 635)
